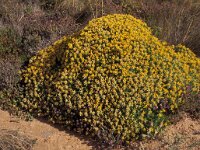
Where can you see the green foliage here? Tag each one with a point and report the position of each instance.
(114, 80)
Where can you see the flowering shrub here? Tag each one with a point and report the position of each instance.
(113, 77)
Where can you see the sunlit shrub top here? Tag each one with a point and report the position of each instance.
(113, 79)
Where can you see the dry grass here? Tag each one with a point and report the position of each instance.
(40, 22)
(175, 21)
(192, 104)
(12, 140)
(9, 72)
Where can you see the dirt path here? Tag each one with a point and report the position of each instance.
(184, 135)
(48, 137)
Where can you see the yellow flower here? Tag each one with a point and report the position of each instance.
(117, 75)
(70, 45)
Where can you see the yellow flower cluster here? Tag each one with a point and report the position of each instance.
(114, 75)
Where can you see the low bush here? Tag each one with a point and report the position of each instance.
(114, 80)
(10, 41)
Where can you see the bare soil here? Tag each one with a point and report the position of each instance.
(183, 135)
(47, 136)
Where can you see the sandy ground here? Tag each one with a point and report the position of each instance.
(184, 135)
(47, 136)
